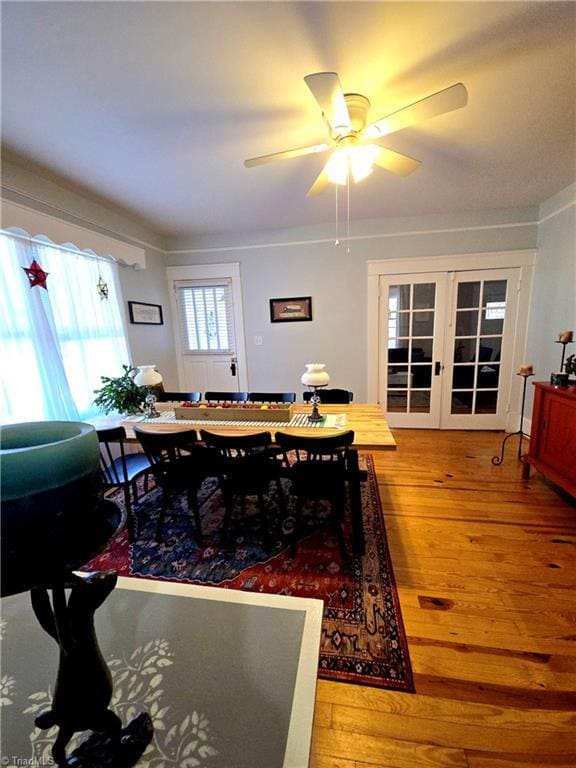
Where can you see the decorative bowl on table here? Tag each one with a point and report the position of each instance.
(53, 517)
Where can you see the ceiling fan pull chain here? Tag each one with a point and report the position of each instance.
(348, 216)
(336, 241)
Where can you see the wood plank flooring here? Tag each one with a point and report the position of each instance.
(486, 571)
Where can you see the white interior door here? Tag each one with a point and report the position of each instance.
(209, 329)
(412, 327)
(479, 347)
(447, 348)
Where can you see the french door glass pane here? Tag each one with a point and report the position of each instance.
(490, 349)
(425, 296)
(461, 402)
(421, 350)
(399, 297)
(468, 295)
(397, 402)
(486, 402)
(419, 402)
(403, 324)
(494, 293)
(422, 323)
(397, 376)
(465, 351)
(466, 322)
(463, 377)
(491, 325)
(488, 376)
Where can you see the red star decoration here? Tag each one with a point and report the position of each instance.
(36, 275)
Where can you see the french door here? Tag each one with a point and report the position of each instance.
(446, 348)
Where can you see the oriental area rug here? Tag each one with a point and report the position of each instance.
(363, 639)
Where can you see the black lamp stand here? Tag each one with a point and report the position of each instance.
(315, 416)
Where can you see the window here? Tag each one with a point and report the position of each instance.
(205, 315)
(56, 343)
(495, 310)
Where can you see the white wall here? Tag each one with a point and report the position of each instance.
(553, 306)
(29, 186)
(305, 262)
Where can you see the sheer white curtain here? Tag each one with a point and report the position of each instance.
(55, 344)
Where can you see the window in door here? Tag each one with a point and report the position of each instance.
(205, 316)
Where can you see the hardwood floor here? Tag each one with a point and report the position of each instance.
(486, 572)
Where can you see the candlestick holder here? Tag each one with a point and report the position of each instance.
(497, 460)
(564, 345)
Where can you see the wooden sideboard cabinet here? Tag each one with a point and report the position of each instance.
(553, 435)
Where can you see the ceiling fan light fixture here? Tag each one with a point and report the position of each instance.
(361, 161)
(355, 160)
(337, 167)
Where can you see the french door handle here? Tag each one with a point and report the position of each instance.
(437, 368)
(233, 363)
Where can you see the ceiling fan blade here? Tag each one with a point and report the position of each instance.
(451, 98)
(327, 91)
(320, 184)
(396, 162)
(289, 153)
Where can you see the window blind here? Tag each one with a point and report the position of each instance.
(205, 316)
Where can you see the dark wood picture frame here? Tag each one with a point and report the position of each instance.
(296, 309)
(142, 313)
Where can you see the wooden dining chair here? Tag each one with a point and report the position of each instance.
(190, 397)
(247, 466)
(318, 471)
(272, 397)
(232, 397)
(179, 465)
(122, 469)
(331, 396)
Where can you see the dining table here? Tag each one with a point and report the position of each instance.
(366, 420)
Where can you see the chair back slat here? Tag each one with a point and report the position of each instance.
(312, 450)
(234, 397)
(189, 397)
(164, 447)
(272, 397)
(113, 468)
(241, 446)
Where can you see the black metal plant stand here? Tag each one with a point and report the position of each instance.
(564, 345)
(497, 460)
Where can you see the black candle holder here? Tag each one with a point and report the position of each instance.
(564, 345)
(497, 460)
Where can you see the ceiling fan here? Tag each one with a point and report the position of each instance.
(355, 146)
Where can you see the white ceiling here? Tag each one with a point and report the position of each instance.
(155, 105)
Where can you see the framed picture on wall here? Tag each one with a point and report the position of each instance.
(291, 310)
(145, 314)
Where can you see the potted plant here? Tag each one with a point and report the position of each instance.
(120, 394)
(570, 368)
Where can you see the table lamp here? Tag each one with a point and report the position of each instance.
(54, 520)
(315, 377)
(149, 377)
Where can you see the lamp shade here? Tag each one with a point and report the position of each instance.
(315, 375)
(53, 518)
(147, 376)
